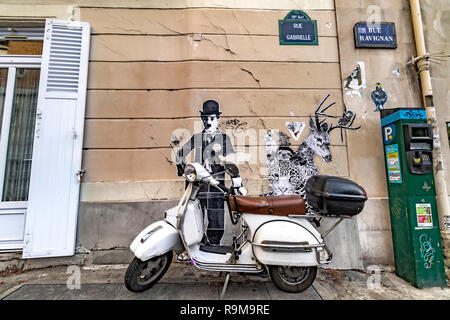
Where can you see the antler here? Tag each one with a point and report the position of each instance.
(345, 121)
(347, 117)
(319, 112)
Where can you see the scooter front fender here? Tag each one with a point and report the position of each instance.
(155, 240)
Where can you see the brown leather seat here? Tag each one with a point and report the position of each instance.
(274, 205)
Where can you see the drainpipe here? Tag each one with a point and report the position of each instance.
(423, 67)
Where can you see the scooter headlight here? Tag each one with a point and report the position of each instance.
(190, 173)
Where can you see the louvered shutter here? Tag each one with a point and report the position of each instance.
(52, 211)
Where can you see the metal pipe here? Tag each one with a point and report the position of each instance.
(423, 66)
(224, 286)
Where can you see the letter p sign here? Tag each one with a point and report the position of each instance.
(388, 134)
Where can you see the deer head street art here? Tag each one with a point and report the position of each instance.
(289, 170)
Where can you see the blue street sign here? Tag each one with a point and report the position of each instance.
(380, 35)
(297, 28)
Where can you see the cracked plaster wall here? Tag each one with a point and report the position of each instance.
(150, 70)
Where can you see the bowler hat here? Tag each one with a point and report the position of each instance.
(210, 107)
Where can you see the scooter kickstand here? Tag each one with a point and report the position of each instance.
(225, 286)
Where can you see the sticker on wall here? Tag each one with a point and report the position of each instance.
(423, 213)
(356, 81)
(393, 164)
(447, 222)
(396, 72)
(379, 97)
(388, 134)
(295, 128)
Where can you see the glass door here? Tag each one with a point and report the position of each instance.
(19, 86)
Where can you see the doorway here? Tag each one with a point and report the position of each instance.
(19, 88)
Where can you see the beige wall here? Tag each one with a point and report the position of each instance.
(149, 76)
(239, 4)
(153, 63)
(365, 147)
(61, 10)
(436, 23)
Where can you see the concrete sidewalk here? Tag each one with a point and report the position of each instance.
(185, 282)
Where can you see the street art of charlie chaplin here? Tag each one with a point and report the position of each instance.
(209, 144)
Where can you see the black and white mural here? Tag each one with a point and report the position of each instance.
(355, 83)
(209, 146)
(379, 97)
(288, 170)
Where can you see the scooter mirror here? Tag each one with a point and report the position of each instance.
(232, 169)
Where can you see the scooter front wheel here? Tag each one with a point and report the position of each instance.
(142, 275)
(293, 279)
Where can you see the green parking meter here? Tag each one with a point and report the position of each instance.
(408, 146)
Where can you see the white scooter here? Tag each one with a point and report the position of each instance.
(276, 235)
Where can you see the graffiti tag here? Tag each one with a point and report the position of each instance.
(412, 114)
(426, 251)
(235, 125)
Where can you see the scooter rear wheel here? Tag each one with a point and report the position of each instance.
(293, 279)
(142, 275)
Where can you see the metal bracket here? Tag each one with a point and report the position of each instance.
(341, 218)
(80, 174)
(331, 228)
(428, 57)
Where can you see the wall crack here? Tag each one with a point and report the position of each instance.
(227, 49)
(251, 73)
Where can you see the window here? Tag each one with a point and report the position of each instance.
(19, 86)
(17, 144)
(21, 38)
(21, 47)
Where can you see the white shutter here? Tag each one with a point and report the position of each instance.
(52, 211)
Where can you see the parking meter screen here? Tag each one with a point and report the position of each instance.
(419, 132)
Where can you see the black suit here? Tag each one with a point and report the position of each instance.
(211, 198)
